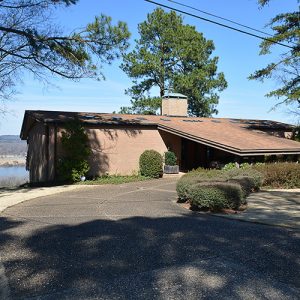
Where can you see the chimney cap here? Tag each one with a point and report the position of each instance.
(175, 95)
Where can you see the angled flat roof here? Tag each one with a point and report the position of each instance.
(238, 136)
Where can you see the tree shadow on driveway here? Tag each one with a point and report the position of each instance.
(183, 257)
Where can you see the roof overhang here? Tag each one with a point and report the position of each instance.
(30, 119)
(28, 122)
(227, 148)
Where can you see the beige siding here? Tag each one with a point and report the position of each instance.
(51, 153)
(117, 150)
(114, 150)
(37, 153)
(173, 143)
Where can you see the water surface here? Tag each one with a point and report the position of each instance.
(14, 171)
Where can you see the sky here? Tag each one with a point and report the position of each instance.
(238, 58)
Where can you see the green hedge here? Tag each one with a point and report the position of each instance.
(256, 176)
(246, 183)
(151, 163)
(280, 175)
(216, 196)
(219, 188)
(197, 176)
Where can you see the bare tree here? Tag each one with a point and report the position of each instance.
(30, 41)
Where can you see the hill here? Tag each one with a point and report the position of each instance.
(12, 145)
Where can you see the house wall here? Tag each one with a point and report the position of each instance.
(41, 153)
(51, 152)
(173, 143)
(37, 153)
(116, 150)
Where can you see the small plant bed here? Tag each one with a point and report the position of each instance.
(114, 179)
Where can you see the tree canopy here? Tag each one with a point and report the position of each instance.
(286, 71)
(31, 41)
(174, 57)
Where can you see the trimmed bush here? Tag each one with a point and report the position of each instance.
(247, 172)
(216, 195)
(228, 189)
(280, 175)
(170, 158)
(151, 163)
(196, 176)
(247, 184)
(182, 189)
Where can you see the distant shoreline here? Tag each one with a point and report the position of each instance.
(12, 161)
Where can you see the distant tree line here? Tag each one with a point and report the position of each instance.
(12, 145)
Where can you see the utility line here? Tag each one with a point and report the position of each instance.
(218, 17)
(220, 24)
(225, 19)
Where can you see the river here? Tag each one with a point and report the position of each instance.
(14, 171)
(13, 176)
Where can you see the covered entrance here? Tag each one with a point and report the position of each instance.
(193, 155)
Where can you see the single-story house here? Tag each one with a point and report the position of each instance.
(117, 140)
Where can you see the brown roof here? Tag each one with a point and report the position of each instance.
(238, 136)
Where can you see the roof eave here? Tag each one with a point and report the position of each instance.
(23, 132)
(232, 150)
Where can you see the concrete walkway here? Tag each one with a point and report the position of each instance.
(272, 207)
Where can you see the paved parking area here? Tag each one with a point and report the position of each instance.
(134, 242)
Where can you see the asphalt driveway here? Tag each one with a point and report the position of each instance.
(134, 242)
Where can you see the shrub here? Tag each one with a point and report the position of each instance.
(247, 184)
(170, 158)
(72, 170)
(73, 165)
(248, 172)
(229, 166)
(151, 164)
(216, 195)
(245, 165)
(280, 175)
(219, 182)
(196, 176)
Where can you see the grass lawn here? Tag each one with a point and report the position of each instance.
(114, 179)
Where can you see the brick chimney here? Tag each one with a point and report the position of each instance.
(174, 104)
